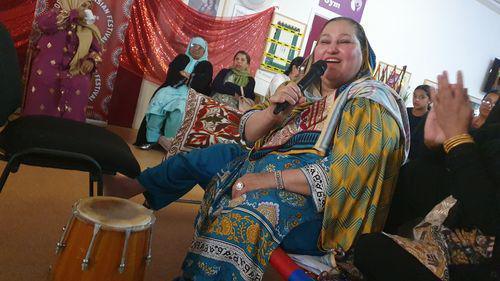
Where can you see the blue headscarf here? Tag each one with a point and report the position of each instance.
(198, 41)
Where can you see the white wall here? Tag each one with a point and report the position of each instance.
(299, 10)
(428, 36)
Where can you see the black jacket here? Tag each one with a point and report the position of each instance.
(228, 88)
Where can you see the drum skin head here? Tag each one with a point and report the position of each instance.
(114, 213)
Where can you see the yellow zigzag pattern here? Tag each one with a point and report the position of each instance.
(366, 155)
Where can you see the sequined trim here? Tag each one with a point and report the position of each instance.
(318, 181)
(222, 251)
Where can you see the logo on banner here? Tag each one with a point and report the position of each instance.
(97, 86)
(347, 8)
(356, 5)
(109, 26)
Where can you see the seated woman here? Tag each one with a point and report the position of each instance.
(416, 116)
(231, 84)
(166, 109)
(291, 73)
(487, 104)
(455, 241)
(310, 161)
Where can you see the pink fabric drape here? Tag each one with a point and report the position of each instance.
(159, 30)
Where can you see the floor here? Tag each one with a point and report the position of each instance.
(36, 203)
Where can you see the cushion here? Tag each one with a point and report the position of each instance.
(206, 122)
(47, 132)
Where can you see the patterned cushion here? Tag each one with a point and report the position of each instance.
(206, 122)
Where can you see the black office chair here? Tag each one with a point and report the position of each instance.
(54, 142)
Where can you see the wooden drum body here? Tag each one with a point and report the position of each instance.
(106, 238)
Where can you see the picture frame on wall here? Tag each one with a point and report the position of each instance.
(430, 83)
(284, 43)
(213, 8)
(398, 78)
(240, 10)
(236, 8)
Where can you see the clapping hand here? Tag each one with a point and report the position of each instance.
(451, 113)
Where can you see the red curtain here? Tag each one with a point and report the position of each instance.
(17, 16)
(159, 30)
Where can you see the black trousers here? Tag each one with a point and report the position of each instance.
(382, 259)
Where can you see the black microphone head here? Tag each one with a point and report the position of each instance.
(317, 69)
(319, 66)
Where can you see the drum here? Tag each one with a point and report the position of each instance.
(106, 238)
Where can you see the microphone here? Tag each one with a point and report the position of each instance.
(317, 69)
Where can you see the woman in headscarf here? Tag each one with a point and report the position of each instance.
(455, 189)
(331, 157)
(232, 84)
(66, 55)
(167, 107)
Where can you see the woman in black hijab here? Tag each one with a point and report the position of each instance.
(456, 189)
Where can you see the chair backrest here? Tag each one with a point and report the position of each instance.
(495, 259)
(10, 76)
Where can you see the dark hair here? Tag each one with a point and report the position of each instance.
(243, 53)
(361, 36)
(295, 62)
(425, 88)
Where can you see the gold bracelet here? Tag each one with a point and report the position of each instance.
(457, 140)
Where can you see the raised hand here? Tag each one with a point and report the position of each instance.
(433, 134)
(452, 106)
(289, 93)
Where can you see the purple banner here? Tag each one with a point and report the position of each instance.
(347, 8)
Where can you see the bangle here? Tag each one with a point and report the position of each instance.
(457, 140)
(280, 184)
